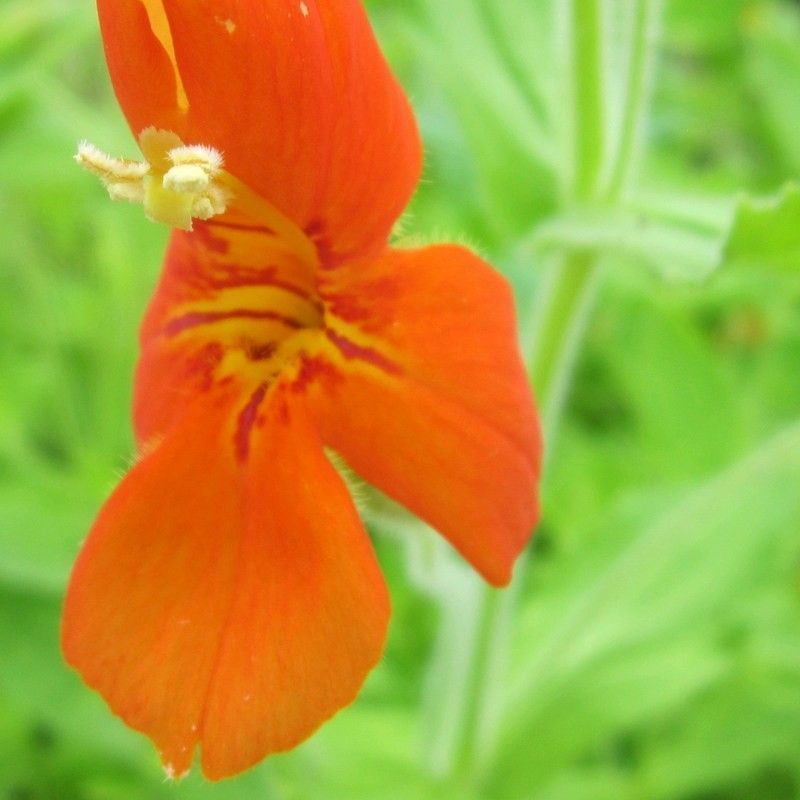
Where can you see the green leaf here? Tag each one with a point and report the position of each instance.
(676, 249)
(766, 233)
(771, 64)
(643, 637)
(682, 401)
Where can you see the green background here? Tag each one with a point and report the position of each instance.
(651, 646)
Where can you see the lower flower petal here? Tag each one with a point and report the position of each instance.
(228, 599)
(311, 610)
(432, 404)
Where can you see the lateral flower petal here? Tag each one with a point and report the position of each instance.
(295, 94)
(431, 402)
(224, 602)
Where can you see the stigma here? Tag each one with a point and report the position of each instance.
(176, 183)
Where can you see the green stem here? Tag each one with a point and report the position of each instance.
(482, 670)
(584, 43)
(564, 301)
(645, 18)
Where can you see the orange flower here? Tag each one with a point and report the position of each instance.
(228, 594)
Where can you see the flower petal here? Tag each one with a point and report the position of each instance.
(310, 614)
(432, 404)
(236, 604)
(296, 95)
(140, 68)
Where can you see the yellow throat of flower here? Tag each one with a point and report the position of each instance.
(176, 183)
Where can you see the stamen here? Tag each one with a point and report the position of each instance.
(211, 203)
(200, 155)
(108, 169)
(176, 184)
(187, 178)
(194, 168)
(130, 192)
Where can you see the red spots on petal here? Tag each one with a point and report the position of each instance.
(312, 370)
(261, 351)
(204, 363)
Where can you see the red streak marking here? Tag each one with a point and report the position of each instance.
(241, 226)
(283, 412)
(213, 243)
(247, 419)
(196, 318)
(328, 259)
(315, 229)
(371, 306)
(352, 351)
(246, 282)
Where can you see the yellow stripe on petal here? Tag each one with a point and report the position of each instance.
(159, 23)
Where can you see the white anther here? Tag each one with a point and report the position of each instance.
(199, 155)
(188, 178)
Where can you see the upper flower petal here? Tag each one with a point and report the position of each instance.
(227, 602)
(430, 401)
(296, 95)
(141, 69)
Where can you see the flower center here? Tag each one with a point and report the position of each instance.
(175, 183)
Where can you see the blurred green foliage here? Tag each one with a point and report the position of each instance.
(656, 649)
